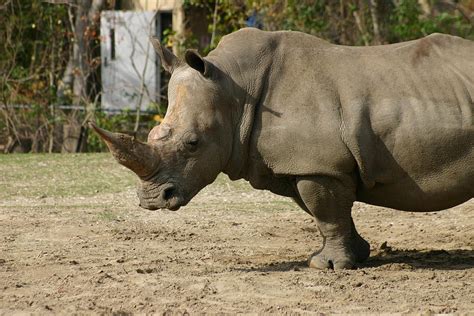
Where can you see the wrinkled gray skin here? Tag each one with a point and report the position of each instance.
(324, 124)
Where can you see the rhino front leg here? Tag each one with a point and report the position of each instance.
(330, 202)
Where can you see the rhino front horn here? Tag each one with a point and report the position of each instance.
(137, 156)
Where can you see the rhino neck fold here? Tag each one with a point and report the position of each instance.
(242, 112)
(247, 82)
(237, 165)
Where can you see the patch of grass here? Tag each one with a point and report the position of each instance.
(107, 215)
(61, 175)
(223, 180)
(274, 205)
(75, 175)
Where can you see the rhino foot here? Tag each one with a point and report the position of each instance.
(337, 255)
(326, 259)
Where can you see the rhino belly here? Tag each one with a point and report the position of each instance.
(422, 169)
(433, 194)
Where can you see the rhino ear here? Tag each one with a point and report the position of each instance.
(169, 60)
(195, 61)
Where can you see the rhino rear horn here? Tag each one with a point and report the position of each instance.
(137, 156)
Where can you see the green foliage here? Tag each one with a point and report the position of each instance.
(305, 16)
(223, 16)
(348, 22)
(33, 51)
(407, 22)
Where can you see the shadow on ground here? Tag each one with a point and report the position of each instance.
(294, 265)
(458, 259)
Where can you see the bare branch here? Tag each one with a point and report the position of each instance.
(375, 22)
(214, 24)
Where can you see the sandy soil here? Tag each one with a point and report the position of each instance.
(233, 249)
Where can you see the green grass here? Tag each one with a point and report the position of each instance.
(40, 176)
(69, 175)
(61, 175)
(108, 215)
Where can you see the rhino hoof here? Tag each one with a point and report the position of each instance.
(322, 262)
(337, 257)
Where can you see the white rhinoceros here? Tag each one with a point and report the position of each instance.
(324, 124)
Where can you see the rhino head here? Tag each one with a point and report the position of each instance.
(193, 143)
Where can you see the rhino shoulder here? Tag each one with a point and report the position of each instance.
(445, 38)
(248, 37)
(438, 44)
(245, 37)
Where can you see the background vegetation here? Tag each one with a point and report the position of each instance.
(347, 22)
(50, 52)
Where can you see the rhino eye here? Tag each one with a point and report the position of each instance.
(192, 144)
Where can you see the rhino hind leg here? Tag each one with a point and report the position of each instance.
(330, 202)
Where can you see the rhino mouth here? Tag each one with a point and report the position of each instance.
(173, 204)
(168, 197)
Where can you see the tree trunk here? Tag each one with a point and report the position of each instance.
(85, 17)
(361, 28)
(79, 52)
(425, 7)
(375, 21)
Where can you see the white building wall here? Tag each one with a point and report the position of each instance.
(161, 5)
(130, 77)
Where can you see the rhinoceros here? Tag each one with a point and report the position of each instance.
(324, 124)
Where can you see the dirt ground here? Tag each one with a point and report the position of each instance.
(73, 240)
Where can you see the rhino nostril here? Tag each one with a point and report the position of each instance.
(168, 193)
